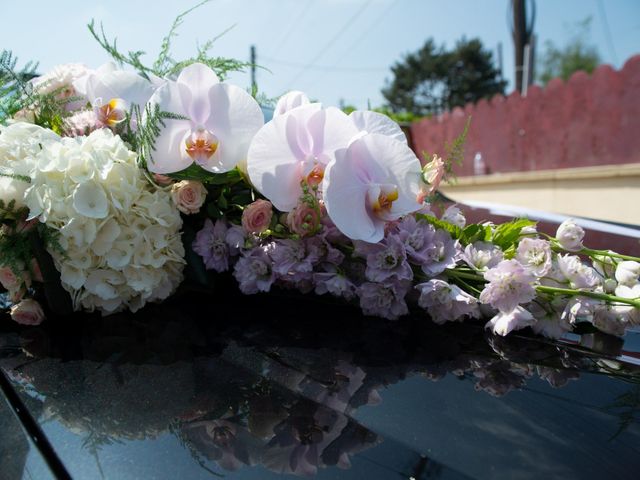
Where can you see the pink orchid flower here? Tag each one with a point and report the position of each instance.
(295, 146)
(221, 121)
(373, 181)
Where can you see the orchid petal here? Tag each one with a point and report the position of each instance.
(235, 120)
(198, 79)
(374, 122)
(345, 195)
(168, 155)
(331, 130)
(275, 156)
(289, 101)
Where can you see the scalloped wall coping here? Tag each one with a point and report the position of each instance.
(588, 120)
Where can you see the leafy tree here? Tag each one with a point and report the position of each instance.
(433, 79)
(578, 54)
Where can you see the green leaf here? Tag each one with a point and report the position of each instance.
(454, 230)
(507, 234)
(194, 172)
(475, 233)
(222, 201)
(213, 211)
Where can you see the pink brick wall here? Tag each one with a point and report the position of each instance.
(589, 120)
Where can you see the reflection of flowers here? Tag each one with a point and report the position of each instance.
(267, 398)
(221, 440)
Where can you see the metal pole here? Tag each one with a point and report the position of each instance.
(254, 85)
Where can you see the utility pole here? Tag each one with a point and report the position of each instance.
(254, 85)
(523, 39)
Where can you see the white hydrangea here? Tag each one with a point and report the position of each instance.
(20, 143)
(120, 234)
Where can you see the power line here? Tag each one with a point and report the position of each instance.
(607, 32)
(364, 35)
(285, 63)
(293, 26)
(330, 43)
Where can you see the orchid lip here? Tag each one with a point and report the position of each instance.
(201, 145)
(381, 198)
(112, 112)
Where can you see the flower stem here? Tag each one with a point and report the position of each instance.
(606, 253)
(467, 275)
(581, 293)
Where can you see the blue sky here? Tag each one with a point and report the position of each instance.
(331, 49)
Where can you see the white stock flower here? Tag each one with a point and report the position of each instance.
(121, 236)
(454, 216)
(505, 322)
(627, 273)
(578, 273)
(570, 235)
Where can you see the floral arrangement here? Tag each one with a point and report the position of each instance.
(105, 173)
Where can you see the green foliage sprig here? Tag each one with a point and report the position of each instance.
(165, 65)
(149, 126)
(14, 86)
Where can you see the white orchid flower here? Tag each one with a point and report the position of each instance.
(221, 121)
(296, 146)
(373, 181)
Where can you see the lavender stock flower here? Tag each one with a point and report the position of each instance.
(291, 257)
(210, 244)
(384, 299)
(253, 271)
(510, 284)
(535, 254)
(441, 254)
(446, 302)
(417, 236)
(385, 260)
(482, 255)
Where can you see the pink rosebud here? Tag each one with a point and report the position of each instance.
(256, 217)
(27, 312)
(36, 273)
(26, 226)
(188, 195)
(303, 219)
(432, 174)
(162, 180)
(17, 293)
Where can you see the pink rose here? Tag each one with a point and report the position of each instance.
(188, 195)
(8, 279)
(256, 216)
(304, 219)
(27, 312)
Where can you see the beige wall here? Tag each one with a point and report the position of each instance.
(608, 192)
